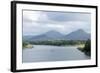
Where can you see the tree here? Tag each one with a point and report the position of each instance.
(87, 48)
(24, 44)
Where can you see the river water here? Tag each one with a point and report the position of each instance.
(44, 53)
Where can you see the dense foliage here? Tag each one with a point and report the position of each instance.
(57, 42)
(87, 48)
(25, 44)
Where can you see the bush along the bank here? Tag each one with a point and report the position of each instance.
(87, 48)
(27, 45)
(57, 42)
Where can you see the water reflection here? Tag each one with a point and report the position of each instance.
(42, 53)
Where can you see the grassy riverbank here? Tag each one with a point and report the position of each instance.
(27, 45)
(87, 48)
(57, 42)
(84, 46)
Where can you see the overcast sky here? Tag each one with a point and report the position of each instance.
(39, 22)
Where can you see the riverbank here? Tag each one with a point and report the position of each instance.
(42, 53)
(28, 46)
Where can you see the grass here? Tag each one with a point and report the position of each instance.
(81, 47)
(28, 46)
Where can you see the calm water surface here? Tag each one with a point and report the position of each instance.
(42, 53)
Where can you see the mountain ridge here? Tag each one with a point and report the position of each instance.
(55, 35)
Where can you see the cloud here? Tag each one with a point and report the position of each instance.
(68, 16)
(39, 22)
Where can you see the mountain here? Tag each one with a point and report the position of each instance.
(50, 35)
(77, 35)
(54, 35)
(27, 37)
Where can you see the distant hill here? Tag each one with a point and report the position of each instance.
(54, 35)
(50, 35)
(77, 35)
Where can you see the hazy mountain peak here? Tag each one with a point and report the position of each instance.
(79, 30)
(78, 35)
(53, 33)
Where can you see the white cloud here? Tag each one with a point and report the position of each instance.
(37, 22)
(31, 15)
(64, 28)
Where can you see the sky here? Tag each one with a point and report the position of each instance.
(39, 22)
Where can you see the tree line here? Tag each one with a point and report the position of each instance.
(58, 42)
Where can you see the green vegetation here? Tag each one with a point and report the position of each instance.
(87, 48)
(83, 45)
(27, 45)
(58, 42)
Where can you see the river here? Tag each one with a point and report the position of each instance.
(44, 53)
